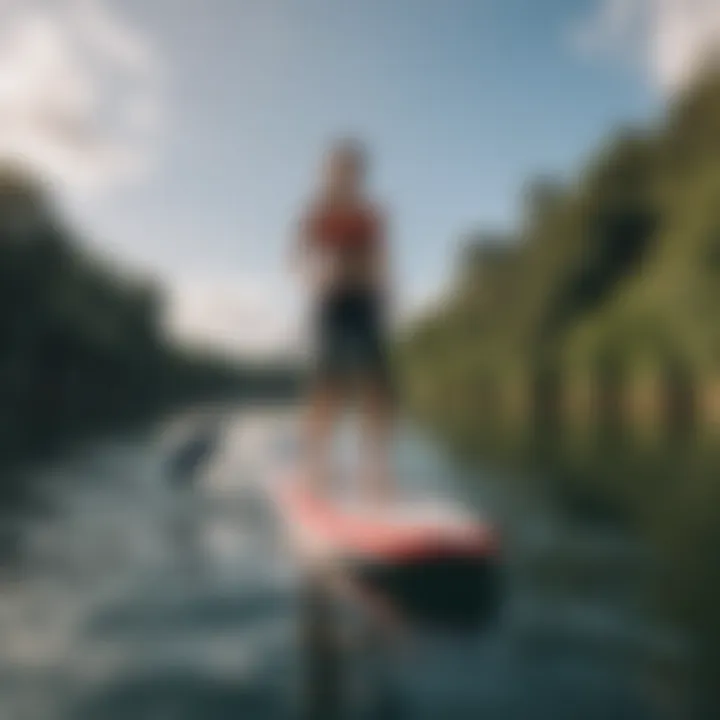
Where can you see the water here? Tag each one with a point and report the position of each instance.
(133, 599)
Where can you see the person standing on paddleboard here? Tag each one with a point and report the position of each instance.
(342, 247)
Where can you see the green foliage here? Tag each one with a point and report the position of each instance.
(615, 278)
(625, 262)
(81, 346)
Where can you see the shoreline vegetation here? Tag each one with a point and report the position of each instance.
(83, 348)
(586, 342)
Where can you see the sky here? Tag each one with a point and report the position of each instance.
(183, 136)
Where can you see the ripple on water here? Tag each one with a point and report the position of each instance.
(136, 603)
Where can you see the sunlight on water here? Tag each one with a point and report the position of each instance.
(139, 598)
(128, 576)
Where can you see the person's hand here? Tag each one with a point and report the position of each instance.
(323, 272)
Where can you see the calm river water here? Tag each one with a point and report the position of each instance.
(128, 598)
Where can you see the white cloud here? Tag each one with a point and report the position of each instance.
(110, 36)
(243, 315)
(80, 91)
(671, 40)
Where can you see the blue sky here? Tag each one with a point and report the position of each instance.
(228, 104)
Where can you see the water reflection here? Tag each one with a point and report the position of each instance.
(636, 522)
(138, 599)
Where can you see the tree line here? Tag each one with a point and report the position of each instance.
(613, 275)
(82, 345)
(602, 305)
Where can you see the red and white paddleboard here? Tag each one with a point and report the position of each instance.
(393, 534)
(434, 560)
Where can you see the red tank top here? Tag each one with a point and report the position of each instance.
(352, 230)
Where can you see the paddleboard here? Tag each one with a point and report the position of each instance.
(432, 561)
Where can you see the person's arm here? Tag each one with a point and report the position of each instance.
(300, 244)
(306, 260)
(381, 261)
(303, 255)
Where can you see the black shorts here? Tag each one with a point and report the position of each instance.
(351, 340)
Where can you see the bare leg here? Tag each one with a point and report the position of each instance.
(377, 419)
(322, 413)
